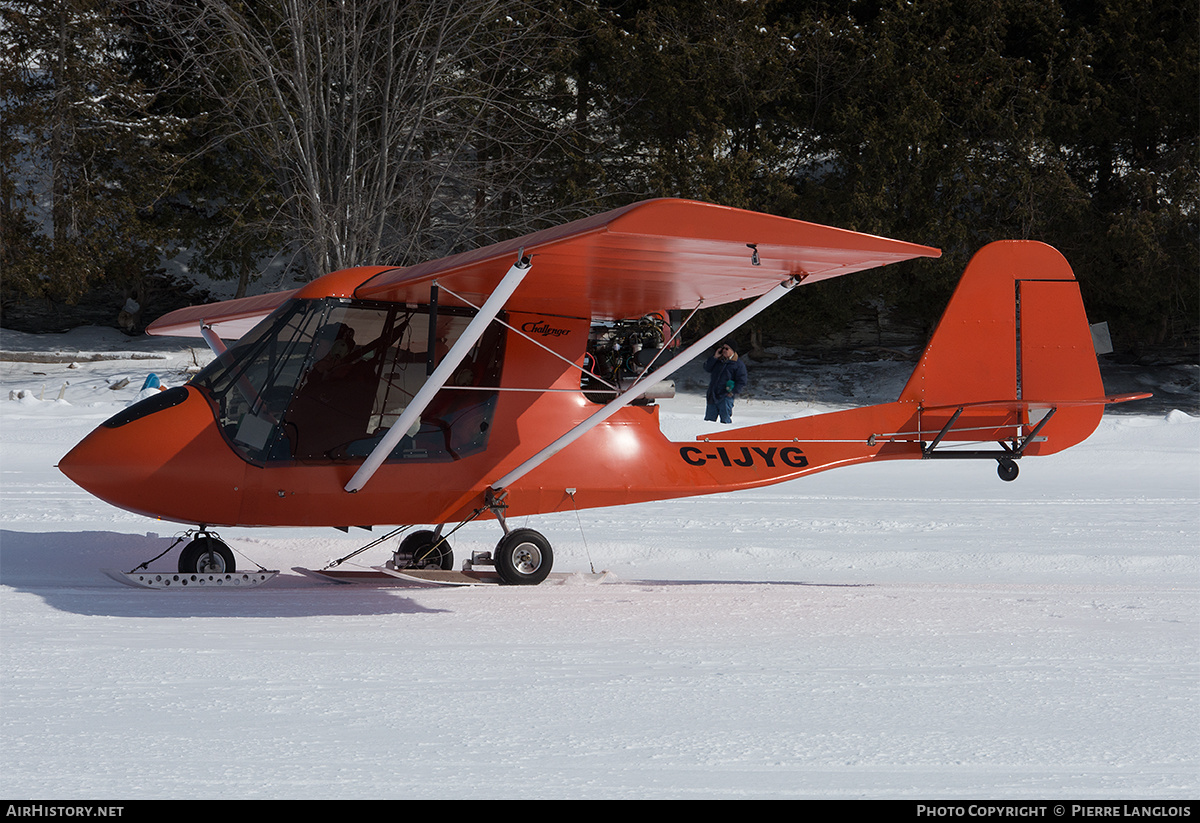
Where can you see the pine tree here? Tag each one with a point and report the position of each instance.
(85, 155)
(1135, 136)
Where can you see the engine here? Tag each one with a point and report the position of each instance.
(618, 352)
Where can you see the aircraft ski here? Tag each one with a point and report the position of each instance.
(416, 577)
(433, 577)
(438, 577)
(522, 378)
(192, 580)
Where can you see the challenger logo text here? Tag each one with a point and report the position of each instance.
(544, 329)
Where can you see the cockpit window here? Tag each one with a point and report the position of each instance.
(324, 380)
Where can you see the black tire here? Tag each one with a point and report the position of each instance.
(426, 551)
(206, 555)
(1007, 470)
(523, 557)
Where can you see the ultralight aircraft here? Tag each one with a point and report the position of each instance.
(522, 378)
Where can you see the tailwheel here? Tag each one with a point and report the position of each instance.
(1007, 469)
(206, 555)
(423, 550)
(523, 557)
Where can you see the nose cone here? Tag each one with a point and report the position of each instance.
(111, 465)
(161, 457)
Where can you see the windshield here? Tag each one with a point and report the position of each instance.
(323, 380)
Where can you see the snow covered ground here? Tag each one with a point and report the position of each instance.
(909, 630)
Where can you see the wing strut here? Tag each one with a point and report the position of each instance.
(212, 339)
(441, 374)
(640, 387)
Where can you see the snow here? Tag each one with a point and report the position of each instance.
(909, 630)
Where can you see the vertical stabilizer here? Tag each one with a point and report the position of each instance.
(1015, 333)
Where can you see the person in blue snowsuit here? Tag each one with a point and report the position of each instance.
(727, 381)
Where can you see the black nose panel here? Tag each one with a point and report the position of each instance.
(162, 400)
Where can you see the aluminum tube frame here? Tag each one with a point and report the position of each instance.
(435, 382)
(639, 388)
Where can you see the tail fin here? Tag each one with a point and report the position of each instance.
(1014, 340)
(1011, 363)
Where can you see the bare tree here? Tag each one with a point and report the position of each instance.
(397, 129)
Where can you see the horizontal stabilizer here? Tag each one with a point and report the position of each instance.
(1036, 405)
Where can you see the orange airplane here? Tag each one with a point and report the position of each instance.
(521, 378)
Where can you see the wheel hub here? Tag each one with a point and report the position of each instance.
(210, 563)
(527, 558)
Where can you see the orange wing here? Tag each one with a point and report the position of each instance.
(649, 256)
(230, 319)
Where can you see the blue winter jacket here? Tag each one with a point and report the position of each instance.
(723, 372)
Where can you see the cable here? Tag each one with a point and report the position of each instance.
(586, 550)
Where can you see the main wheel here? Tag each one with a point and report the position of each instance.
(523, 557)
(1007, 469)
(206, 555)
(424, 550)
